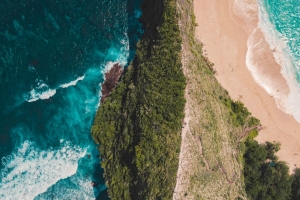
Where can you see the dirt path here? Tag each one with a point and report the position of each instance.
(184, 132)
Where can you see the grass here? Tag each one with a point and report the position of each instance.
(212, 154)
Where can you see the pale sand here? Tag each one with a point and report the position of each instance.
(225, 37)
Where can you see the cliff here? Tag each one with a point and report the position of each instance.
(111, 80)
(211, 161)
(169, 96)
(138, 124)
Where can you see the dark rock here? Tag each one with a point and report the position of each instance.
(111, 80)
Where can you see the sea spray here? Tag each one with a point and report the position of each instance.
(53, 57)
(72, 83)
(28, 171)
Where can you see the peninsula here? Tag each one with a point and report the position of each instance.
(169, 130)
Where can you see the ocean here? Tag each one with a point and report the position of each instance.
(274, 39)
(54, 55)
(280, 23)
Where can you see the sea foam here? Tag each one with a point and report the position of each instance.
(285, 97)
(259, 63)
(113, 55)
(40, 91)
(43, 91)
(28, 171)
(283, 56)
(72, 83)
(245, 9)
(44, 168)
(83, 191)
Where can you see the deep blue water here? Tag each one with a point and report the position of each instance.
(53, 58)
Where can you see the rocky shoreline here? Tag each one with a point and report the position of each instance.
(111, 80)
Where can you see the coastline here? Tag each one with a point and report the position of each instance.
(225, 36)
(112, 77)
(143, 115)
(209, 161)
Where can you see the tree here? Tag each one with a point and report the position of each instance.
(266, 177)
(296, 185)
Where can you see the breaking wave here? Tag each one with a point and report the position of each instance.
(29, 171)
(274, 36)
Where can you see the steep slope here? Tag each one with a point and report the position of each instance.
(138, 125)
(210, 165)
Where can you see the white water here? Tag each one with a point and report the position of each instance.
(72, 83)
(43, 91)
(284, 58)
(286, 101)
(29, 171)
(40, 91)
(262, 71)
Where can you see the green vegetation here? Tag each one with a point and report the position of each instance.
(296, 185)
(239, 113)
(212, 157)
(224, 126)
(265, 176)
(138, 126)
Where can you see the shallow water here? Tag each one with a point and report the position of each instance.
(275, 35)
(280, 23)
(53, 58)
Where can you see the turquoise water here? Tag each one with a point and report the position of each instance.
(280, 23)
(53, 58)
(285, 16)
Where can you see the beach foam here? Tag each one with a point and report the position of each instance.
(284, 57)
(29, 171)
(245, 9)
(264, 44)
(259, 62)
(258, 57)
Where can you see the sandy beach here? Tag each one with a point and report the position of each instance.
(225, 35)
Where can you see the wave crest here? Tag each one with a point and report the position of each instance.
(41, 91)
(72, 83)
(28, 172)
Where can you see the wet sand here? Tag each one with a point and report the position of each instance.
(225, 36)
